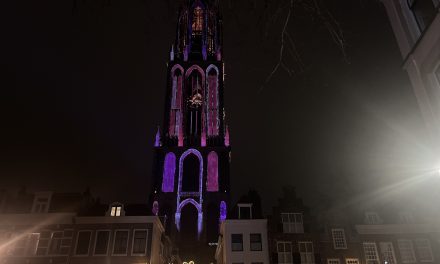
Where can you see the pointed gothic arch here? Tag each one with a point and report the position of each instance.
(175, 122)
(213, 120)
(181, 169)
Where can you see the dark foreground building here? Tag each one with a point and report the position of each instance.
(47, 227)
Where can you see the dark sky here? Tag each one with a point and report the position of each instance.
(84, 84)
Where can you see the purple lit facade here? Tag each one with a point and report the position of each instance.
(169, 171)
(192, 161)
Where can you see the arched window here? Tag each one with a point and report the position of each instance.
(176, 101)
(197, 22)
(194, 93)
(213, 118)
(212, 181)
(191, 171)
(169, 169)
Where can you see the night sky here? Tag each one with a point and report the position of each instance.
(83, 86)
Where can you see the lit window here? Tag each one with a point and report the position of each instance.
(372, 218)
(424, 250)
(120, 242)
(352, 261)
(387, 251)
(256, 244)
(292, 222)
(116, 211)
(339, 239)
(333, 261)
(83, 243)
(306, 252)
(406, 251)
(101, 242)
(370, 251)
(284, 250)
(237, 242)
(140, 242)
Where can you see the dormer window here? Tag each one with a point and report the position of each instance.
(197, 22)
(372, 218)
(244, 211)
(41, 202)
(116, 209)
(406, 218)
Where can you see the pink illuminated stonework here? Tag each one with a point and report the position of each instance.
(169, 170)
(212, 182)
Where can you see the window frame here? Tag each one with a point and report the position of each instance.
(413, 253)
(260, 242)
(146, 242)
(376, 252)
(307, 253)
(382, 244)
(96, 240)
(76, 243)
(343, 238)
(285, 253)
(428, 247)
(114, 240)
(293, 227)
(232, 243)
(51, 240)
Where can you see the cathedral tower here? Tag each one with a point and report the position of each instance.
(192, 152)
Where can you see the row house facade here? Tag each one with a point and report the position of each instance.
(48, 227)
(385, 236)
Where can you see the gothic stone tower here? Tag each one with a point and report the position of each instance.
(192, 152)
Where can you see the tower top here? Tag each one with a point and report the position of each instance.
(199, 33)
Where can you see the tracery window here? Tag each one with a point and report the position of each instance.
(197, 23)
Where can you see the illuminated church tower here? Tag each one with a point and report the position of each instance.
(192, 153)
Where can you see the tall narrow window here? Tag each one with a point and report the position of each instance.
(197, 23)
(175, 126)
(169, 170)
(386, 248)
(424, 250)
(237, 242)
(212, 181)
(406, 250)
(116, 210)
(83, 243)
(256, 242)
(370, 251)
(306, 252)
(194, 95)
(213, 118)
(120, 242)
(55, 243)
(338, 235)
(140, 242)
(101, 242)
(284, 250)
